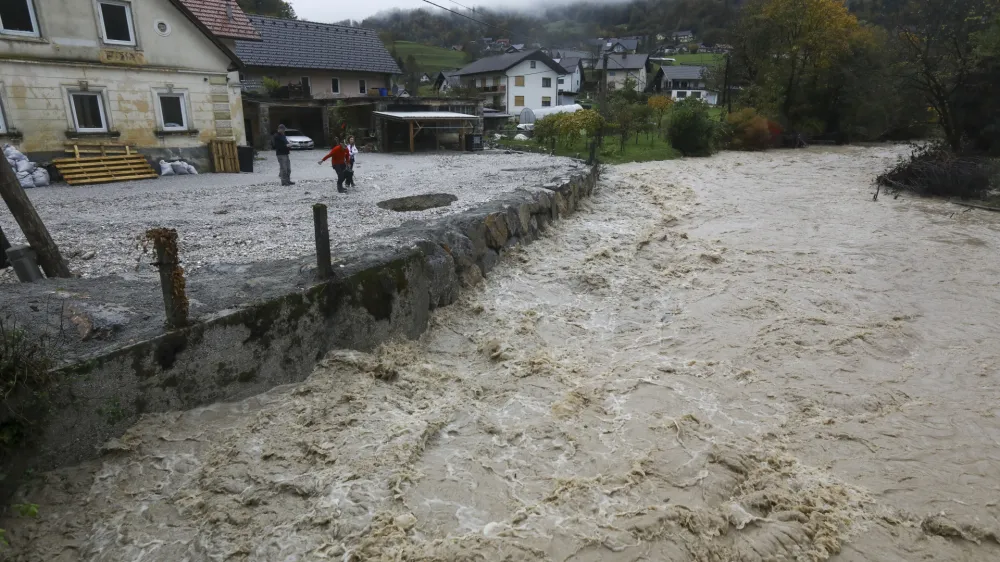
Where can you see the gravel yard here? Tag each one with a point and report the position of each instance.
(245, 218)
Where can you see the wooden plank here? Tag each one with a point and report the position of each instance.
(82, 164)
(31, 224)
(112, 179)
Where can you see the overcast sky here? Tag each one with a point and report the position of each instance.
(328, 11)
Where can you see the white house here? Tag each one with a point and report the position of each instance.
(150, 74)
(570, 84)
(682, 36)
(680, 82)
(515, 81)
(624, 67)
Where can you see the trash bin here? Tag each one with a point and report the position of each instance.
(473, 142)
(245, 156)
(383, 92)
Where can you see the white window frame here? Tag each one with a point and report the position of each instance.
(543, 82)
(100, 107)
(128, 16)
(34, 23)
(182, 94)
(363, 86)
(534, 64)
(561, 80)
(335, 85)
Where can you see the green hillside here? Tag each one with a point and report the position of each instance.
(704, 59)
(429, 59)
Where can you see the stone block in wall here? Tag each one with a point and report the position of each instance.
(496, 230)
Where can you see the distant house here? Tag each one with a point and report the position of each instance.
(622, 67)
(515, 48)
(680, 82)
(515, 81)
(571, 83)
(458, 48)
(619, 46)
(682, 36)
(446, 81)
(425, 78)
(587, 59)
(661, 37)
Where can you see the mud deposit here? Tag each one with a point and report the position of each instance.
(737, 358)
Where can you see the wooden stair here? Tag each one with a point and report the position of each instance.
(103, 163)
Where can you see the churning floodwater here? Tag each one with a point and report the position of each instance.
(740, 358)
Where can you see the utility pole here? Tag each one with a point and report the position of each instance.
(725, 87)
(603, 96)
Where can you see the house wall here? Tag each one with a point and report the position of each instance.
(532, 89)
(36, 75)
(321, 81)
(621, 75)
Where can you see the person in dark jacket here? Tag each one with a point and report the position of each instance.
(341, 157)
(282, 151)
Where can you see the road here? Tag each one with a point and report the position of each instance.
(736, 358)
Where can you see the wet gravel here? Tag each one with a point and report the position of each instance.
(247, 218)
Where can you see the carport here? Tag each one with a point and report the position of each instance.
(411, 123)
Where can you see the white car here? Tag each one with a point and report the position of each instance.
(298, 141)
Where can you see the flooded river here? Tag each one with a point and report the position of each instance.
(741, 358)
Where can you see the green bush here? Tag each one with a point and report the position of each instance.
(692, 130)
(748, 131)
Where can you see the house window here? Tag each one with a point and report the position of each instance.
(612, 74)
(682, 95)
(173, 112)
(534, 64)
(696, 95)
(17, 17)
(562, 80)
(546, 101)
(519, 80)
(116, 22)
(519, 101)
(363, 86)
(335, 85)
(88, 112)
(546, 82)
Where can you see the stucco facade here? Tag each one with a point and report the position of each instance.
(124, 79)
(520, 86)
(618, 76)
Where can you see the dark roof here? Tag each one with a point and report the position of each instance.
(224, 18)
(684, 72)
(570, 53)
(570, 64)
(306, 44)
(629, 44)
(626, 62)
(503, 62)
(681, 33)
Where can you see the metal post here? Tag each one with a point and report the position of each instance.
(172, 282)
(324, 266)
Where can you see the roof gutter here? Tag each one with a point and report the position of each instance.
(208, 33)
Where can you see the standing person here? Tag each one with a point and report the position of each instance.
(340, 156)
(353, 149)
(281, 150)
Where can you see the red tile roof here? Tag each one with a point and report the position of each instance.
(224, 18)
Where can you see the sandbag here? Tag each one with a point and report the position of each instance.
(40, 177)
(521, 137)
(166, 169)
(192, 170)
(25, 166)
(26, 180)
(180, 168)
(13, 154)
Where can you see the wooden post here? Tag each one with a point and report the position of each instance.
(4, 245)
(324, 268)
(412, 145)
(175, 302)
(31, 224)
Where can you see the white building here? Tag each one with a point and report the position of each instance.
(624, 67)
(680, 82)
(151, 74)
(572, 81)
(514, 81)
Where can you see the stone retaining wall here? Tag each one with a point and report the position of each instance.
(387, 292)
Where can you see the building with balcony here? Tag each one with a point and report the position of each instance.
(514, 81)
(680, 82)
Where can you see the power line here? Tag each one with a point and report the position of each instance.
(466, 17)
(473, 10)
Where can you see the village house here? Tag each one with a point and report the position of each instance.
(571, 83)
(515, 81)
(299, 68)
(682, 36)
(680, 82)
(624, 67)
(446, 81)
(150, 74)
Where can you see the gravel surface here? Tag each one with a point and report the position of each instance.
(246, 218)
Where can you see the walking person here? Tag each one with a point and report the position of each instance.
(353, 149)
(281, 151)
(340, 156)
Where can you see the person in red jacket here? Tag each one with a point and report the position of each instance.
(340, 155)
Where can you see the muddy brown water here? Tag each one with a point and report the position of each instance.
(735, 358)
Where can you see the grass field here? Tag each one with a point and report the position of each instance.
(430, 59)
(706, 59)
(647, 150)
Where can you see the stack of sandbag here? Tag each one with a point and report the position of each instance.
(177, 168)
(28, 173)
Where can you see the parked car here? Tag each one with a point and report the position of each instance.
(298, 141)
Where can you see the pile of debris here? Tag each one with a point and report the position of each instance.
(29, 174)
(177, 168)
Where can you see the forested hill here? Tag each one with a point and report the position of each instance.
(565, 24)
